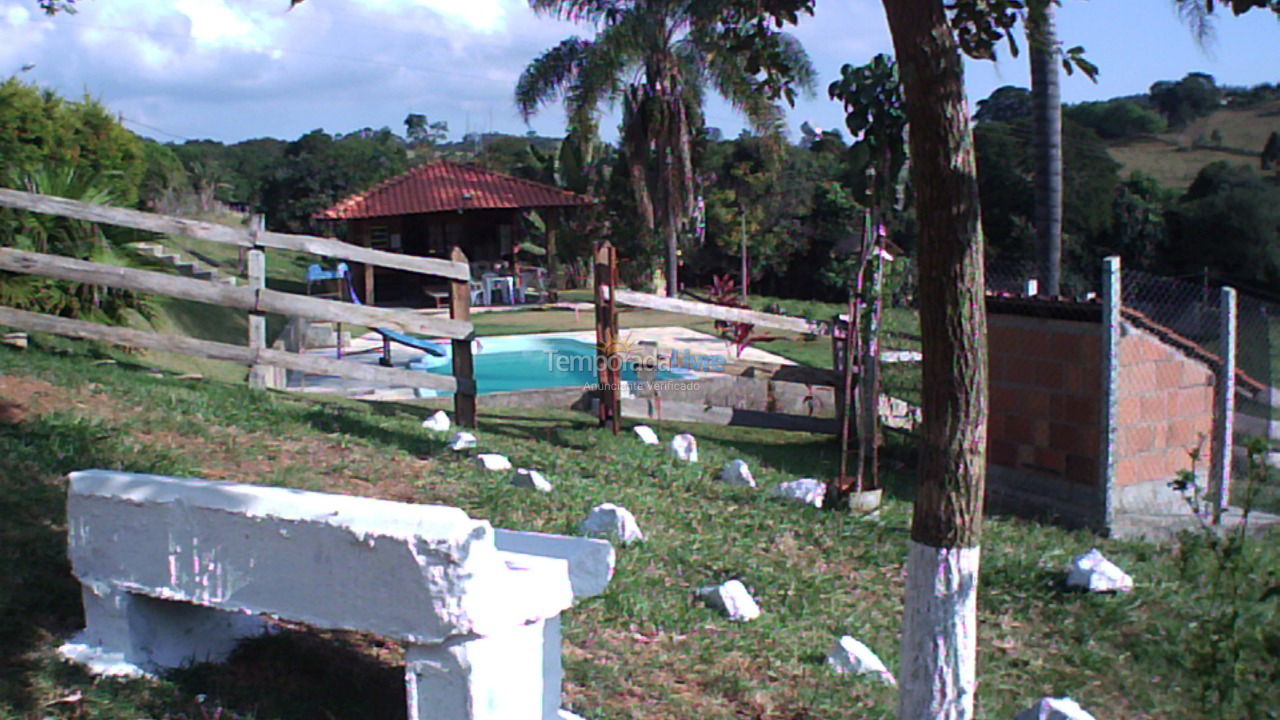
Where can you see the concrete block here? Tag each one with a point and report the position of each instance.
(492, 462)
(738, 473)
(439, 422)
(646, 434)
(1095, 573)
(732, 599)
(591, 561)
(807, 491)
(462, 441)
(684, 447)
(524, 477)
(612, 521)
(1054, 709)
(203, 560)
(851, 656)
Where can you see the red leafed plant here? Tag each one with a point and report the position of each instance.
(724, 291)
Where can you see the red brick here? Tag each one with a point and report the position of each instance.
(1194, 374)
(1066, 346)
(1040, 432)
(1136, 439)
(1083, 410)
(1050, 460)
(1169, 374)
(1091, 350)
(1082, 470)
(1155, 351)
(1026, 455)
(1019, 430)
(1002, 453)
(1126, 472)
(1129, 411)
(1003, 399)
(997, 365)
(1193, 402)
(1035, 402)
(1081, 379)
(1021, 371)
(1049, 374)
(1155, 408)
(1000, 340)
(1067, 438)
(1131, 351)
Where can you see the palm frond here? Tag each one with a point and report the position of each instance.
(1198, 15)
(550, 75)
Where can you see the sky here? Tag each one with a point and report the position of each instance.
(232, 70)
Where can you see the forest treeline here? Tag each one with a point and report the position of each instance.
(796, 203)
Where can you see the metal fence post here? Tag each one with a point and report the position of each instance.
(1112, 301)
(1224, 405)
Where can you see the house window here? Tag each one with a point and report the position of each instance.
(379, 237)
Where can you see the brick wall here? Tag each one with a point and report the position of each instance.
(1164, 407)
(1046, 397)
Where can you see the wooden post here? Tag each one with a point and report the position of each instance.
(869, 378)
(1224, 406)
(257, 261)
(608, 362)
(554, 217)
(464, 403)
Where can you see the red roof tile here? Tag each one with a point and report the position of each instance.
(448, 186)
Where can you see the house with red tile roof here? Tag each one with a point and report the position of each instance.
(433, 207)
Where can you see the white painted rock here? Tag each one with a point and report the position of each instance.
(1054, 709)
(646, 434)
(684, 447)
(806, 490)
(1095, 573)
(737, 473)
(462, 441)
(438, 422)
(613, 521)
(493, 462)
(524, 477)
(850, 656)
(563, 714)
(732, 599)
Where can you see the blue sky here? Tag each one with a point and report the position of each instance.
(237, 69)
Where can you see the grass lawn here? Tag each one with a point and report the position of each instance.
(645, 649)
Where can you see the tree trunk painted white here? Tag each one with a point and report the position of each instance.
(939, 634)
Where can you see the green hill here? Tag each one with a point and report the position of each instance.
(1174, 158)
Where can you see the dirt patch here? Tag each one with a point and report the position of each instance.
(24, 397)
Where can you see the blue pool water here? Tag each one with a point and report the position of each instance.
(527, 362)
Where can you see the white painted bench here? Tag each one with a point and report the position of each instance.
(177, 570)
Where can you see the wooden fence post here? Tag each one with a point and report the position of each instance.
(464, 403)
(609, 369)
(257, 271)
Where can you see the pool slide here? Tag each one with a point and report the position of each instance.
(391, 336)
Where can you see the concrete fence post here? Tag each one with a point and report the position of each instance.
(1112, 301)
(1224, 405)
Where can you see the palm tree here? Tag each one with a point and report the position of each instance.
(657, 58)
(1046, 116)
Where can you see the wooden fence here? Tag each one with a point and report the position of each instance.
(256, 299)
(612, 407)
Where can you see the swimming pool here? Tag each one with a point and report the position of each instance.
(530, 362)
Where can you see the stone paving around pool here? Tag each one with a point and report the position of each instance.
(368, 349)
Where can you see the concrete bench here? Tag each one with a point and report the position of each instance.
(178, 570)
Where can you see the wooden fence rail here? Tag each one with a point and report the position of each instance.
(255, 299)
(241, 237)
(720, 312)
(240, 298)
(36, 322)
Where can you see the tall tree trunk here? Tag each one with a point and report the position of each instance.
(1046, 118)
(940, 620)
